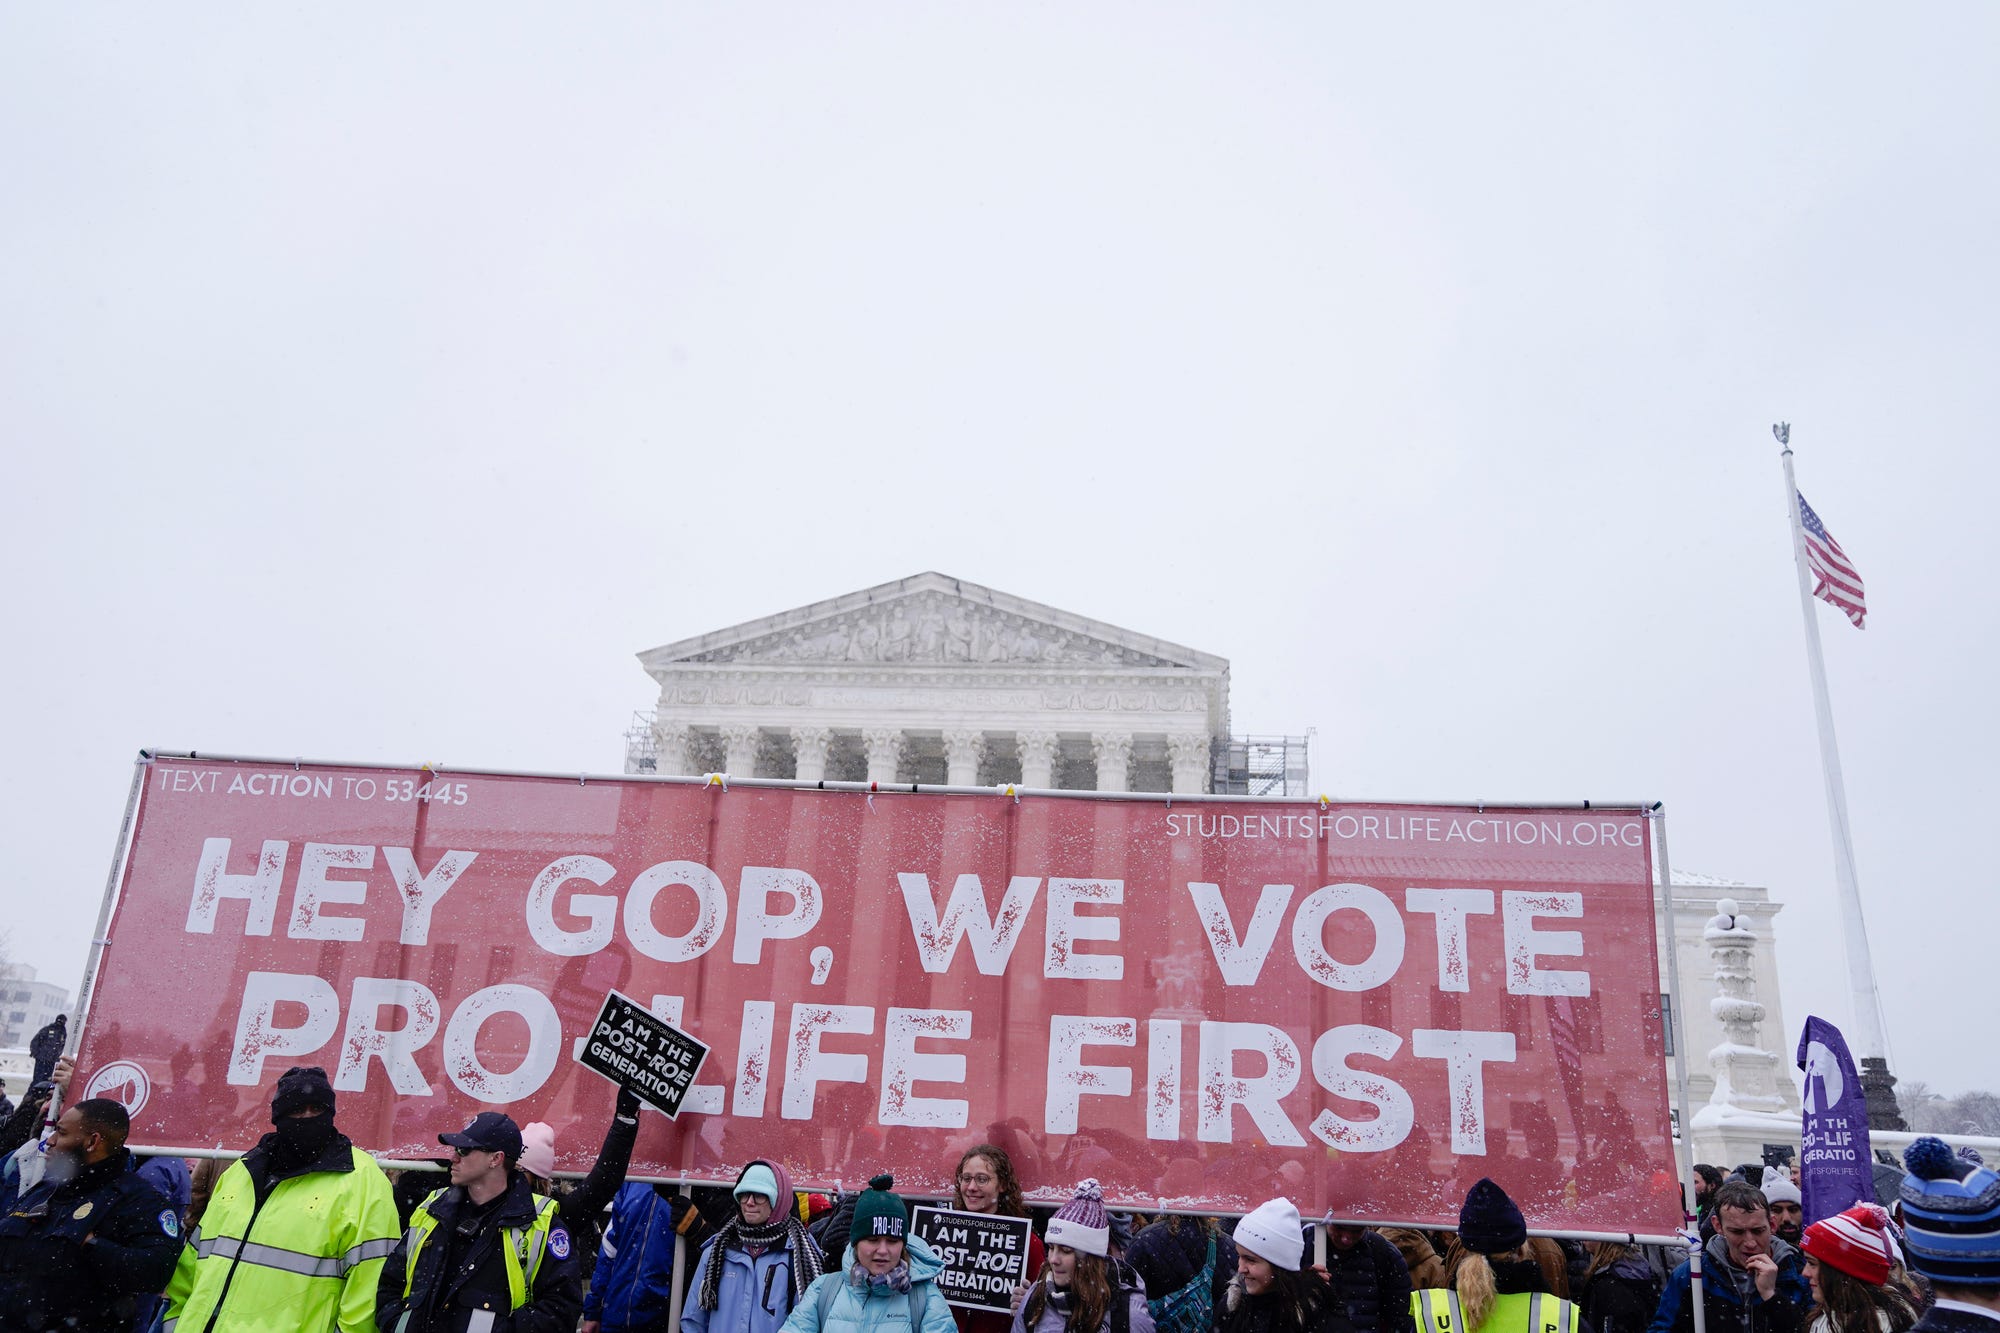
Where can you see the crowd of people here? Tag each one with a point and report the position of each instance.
(307, 1232)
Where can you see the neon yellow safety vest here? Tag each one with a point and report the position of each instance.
(522, 1252)
(1436, 1310)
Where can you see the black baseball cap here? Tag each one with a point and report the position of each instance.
(490, 1131)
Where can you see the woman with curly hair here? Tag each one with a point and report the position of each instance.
(1082, 1289)
(1498, 1286)
(1273, 1290)
(1849, 1257)
(985, 1183)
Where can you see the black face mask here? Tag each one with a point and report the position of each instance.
(301, 1140)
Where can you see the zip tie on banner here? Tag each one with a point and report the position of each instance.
(106, 941)
(871, 798)
(581, 778)
(719, 780)
(1323, 801)
(296, 760)
(1008, 789)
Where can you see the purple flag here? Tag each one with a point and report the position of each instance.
(1835, 1170)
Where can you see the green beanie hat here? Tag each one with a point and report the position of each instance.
(878, 1212)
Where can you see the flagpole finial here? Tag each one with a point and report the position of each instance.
(1783, 430)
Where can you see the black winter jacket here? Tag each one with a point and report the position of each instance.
(1371, 1285)
(1622, 1297)
(582, 1207)
(1168, 1254)
(1240, 1312)
(443, 1302)
(81, 1255)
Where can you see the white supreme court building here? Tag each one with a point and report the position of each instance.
(932, 679)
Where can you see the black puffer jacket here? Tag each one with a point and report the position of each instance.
(1371, 1285)
(1168, 1254)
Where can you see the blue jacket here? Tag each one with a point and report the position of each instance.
(634, 1281)
(170, 1176)
(854, 1305)
(1723, 1306)
(755, 1295)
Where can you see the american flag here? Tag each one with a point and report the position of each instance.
(1838, 581)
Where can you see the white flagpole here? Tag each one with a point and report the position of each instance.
(1869, 1029)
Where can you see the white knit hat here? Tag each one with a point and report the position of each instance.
(1271, 1231)
(1778, 1187)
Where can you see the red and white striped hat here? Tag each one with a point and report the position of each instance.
(1856, 1242)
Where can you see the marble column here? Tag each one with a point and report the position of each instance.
(1746, 1075)
(739, 750)
(1114, 759)
(961, 757)
(1189, 753)
(1038, 758)
(810, 744)
(670, 749)
(885, 750)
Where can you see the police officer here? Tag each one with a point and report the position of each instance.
(486, 1254)
(84, 1247)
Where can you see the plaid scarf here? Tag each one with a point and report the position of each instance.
(783, 1231)
(865, 1283)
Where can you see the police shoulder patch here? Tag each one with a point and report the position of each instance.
(170, 1223)
(559, 1242)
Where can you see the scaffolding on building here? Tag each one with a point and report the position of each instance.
(642, 750)
(1258, 766)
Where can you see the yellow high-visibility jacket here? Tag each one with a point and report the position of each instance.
(307, 1257)
(1435, 1310)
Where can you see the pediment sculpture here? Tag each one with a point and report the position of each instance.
(932, 629)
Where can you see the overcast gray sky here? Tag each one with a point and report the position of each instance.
(376, 381)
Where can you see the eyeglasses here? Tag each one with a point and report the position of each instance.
(457, 1151)
(975, 1180)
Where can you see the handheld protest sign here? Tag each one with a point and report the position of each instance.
(985, 1255)
(645, 1055)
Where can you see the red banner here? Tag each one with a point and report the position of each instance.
(1362, 1007)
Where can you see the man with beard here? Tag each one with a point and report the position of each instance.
(82, 1248)
(296, 1231)
(1788, 1212)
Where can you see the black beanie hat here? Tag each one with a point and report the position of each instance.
(1489, 1223)
(301, 1086)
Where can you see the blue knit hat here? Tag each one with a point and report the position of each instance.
(1951, 1216)
(1489, 1223)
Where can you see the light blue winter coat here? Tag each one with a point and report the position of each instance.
(859, 1307)
(755, 1295)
